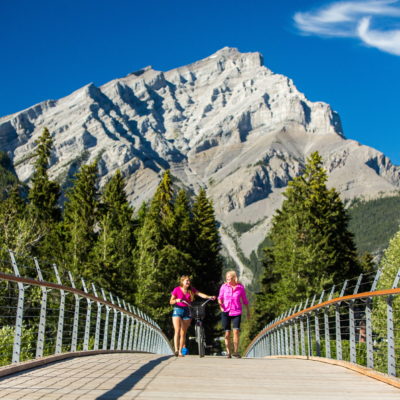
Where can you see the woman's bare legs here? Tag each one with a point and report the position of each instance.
(184, 327)
(228, 341)
(177, 323)
(236, 333)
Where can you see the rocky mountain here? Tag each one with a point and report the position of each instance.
(226, 122)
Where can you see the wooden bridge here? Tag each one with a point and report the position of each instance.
(150, 376)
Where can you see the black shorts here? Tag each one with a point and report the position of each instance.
(226, 320)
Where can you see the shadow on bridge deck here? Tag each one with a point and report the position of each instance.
(130, 381)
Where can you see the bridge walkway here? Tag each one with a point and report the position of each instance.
(148, 376)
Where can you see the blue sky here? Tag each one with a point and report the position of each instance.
(345, 53)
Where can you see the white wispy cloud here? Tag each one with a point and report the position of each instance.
(354, 19)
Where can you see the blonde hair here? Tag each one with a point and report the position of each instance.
(233, 275)
(181, 280)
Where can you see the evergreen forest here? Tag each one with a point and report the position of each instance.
(139, 255)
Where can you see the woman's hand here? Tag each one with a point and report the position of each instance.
(212, 297)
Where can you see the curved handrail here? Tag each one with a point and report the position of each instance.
(337, 300)
(127, 328)
(34, 282)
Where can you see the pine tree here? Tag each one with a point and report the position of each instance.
(113, 251)
(206, 251)
(44, 193)
(207, 242)
(312, 247)
(261, 311)
(19, 230)
(183, 224)
(390, 266)
(8, 176)
(158, 262)
(80, 217)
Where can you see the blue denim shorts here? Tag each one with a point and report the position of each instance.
(182, 312)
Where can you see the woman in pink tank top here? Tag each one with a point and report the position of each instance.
(181, 319)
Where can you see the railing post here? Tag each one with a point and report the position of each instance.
(75, 324)
(98, 319)
(339, 354)
(130, 346)
(60, 325)
(147, 333)
(326, 326)
(42, 318)
(391, 367)
(289, 331)
(278, 341)
(352, 326)
(302, 333)
(114, 325)
(137, 330)
(272, 339)
(125, 345)
(286, 335)
(20, 312)
(87, 322)
(309, 334)
(121, 327)
(106, 322)
(296, 331)
(368, 323)
(316, 328)
(302, 338)
(296, 337)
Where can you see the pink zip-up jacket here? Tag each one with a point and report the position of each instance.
(231, 298)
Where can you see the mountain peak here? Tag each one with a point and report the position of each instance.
(226, 123)
(255, 58)
(141, 71)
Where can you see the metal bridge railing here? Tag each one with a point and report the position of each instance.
(44, 311)
(359, 327)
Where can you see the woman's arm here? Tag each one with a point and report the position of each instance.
(173, 300)
(246, 302)
(205, 296)
(221, 298)
(248, 311)
(220, 304)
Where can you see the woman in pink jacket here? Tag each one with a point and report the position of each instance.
(231, 296)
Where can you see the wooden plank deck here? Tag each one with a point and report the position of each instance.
(145, 376)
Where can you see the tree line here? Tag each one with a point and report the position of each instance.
(137, 255)
(309, 247)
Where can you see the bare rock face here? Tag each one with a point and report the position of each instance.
(226, 123)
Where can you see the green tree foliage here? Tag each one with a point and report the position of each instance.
(206, 244)
(390, 265)
(113, 251)
(176, 240)
(43, 200)
(44, 193)
(206, 251)
(312, 247)
(374, 223)
(80, 217)
(8, 177)
(157, 261)
(183, 224)
(19, 230)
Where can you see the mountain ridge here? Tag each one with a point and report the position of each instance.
(226, 123)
